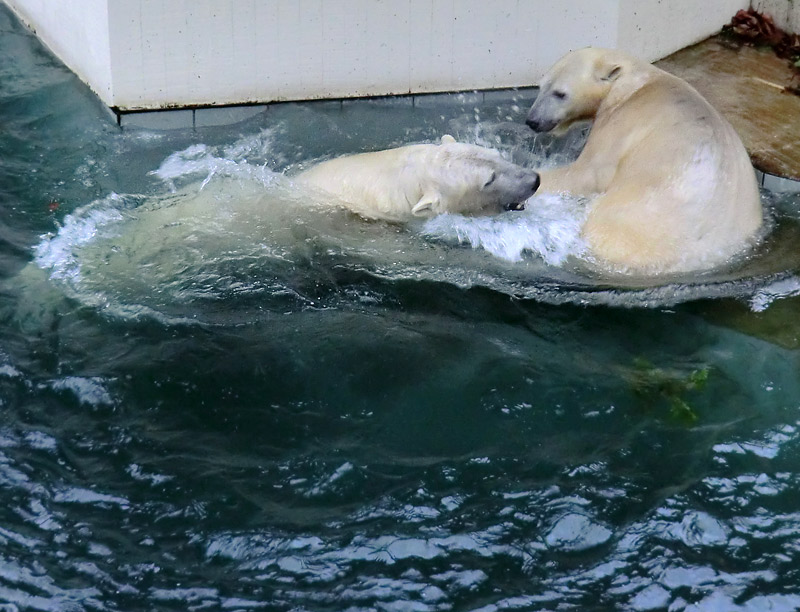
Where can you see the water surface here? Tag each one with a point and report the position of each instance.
(217, 395)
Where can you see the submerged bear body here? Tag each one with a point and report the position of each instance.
(423, 180)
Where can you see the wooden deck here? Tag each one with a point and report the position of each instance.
(745, 83)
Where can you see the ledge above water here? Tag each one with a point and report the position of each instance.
(209, 116)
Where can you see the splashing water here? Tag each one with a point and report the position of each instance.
(232, 226)
(227, 161)
(57, 252)
(548, 228)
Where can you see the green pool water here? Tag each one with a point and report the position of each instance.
(214, 397)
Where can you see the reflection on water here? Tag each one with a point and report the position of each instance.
(216, 394)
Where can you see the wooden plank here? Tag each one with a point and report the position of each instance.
(745, 84)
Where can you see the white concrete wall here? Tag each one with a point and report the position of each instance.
(652, 30)
(141, 54)
(218, 52)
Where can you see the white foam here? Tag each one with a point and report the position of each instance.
(56, 252)
(783, 288)
(78, 495)
(60, 252)
(90, 391)
(227, 201)
(548, 228)
(233, 161)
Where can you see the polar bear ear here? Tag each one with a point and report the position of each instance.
(426, 205)
(611, 73)
(448, 139)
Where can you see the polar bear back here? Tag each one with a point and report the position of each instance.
(685, 176)
(376, 184)
(670, 184)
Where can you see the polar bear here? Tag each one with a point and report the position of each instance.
(670, 185)
(423, 180)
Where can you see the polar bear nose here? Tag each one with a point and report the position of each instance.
(533, 124)
(531, 181)
(539, 124)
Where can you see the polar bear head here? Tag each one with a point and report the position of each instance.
(469, 179)
(575, 86)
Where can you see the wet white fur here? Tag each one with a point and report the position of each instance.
(422, 180)
(670, 184)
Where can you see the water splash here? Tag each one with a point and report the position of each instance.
(230, 226)
(57, 252)
(236, 160)
(780, 289)
(549, 228)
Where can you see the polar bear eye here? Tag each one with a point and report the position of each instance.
(491, 179)
(560, 95)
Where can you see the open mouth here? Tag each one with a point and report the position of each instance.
(515, 206)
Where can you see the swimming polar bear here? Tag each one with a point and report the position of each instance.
(423, 180)
(670, 184)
